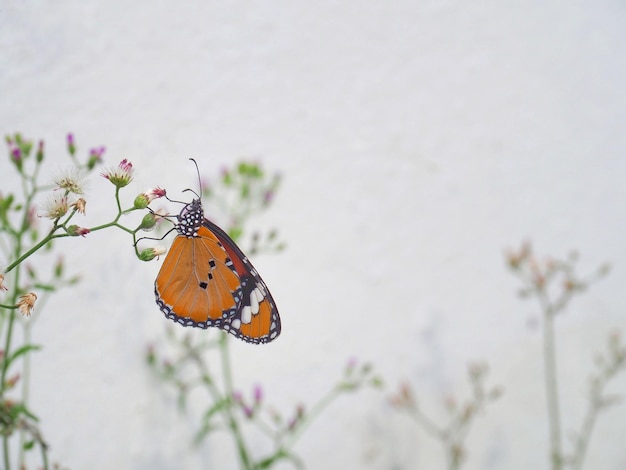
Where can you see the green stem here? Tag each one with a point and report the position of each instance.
(228, 392)
(5, 451)
(35, 248)
(25, 388)
(51, 235)
(7, 349)
(551, 383)
(316, 410)
(583, 440)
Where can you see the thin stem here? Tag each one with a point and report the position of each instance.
(311, 415)
(551, 383)
(7, 349)
(228, 392)
(582, 442)
(427, 424)
(35, 248)
(5, 451)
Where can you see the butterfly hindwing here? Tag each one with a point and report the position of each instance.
(256, 319)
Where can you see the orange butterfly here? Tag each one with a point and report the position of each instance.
(206, 280)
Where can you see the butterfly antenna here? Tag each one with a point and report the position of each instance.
(198, 173)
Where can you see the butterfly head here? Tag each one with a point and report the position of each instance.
(190, 219)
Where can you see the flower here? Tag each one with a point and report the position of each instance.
(79, 205)
(26, 304)
(2, 286)
(258, 394)
(121, 175)
(71, 181)
(56, 207)
(144, 199)
(75, 231)
(16, 153)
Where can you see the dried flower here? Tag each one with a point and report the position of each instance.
(26, 304)
(121, 175)
(2, 286)
(56, 207)
(80, 205)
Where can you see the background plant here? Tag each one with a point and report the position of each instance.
(189, 362)
(32, 218)
(553, 283)
(454, 432)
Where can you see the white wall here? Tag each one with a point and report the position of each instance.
(418, 140)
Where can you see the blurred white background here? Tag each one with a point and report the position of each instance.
(417, 142)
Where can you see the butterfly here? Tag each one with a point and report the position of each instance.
(206, 280)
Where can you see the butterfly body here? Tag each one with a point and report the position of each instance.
(207, 281)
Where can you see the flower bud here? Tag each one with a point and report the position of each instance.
(71, 147)
(141, 201)
(95, 157)
(39, 154)
(149, 221)
(150, 253)
(75, 231)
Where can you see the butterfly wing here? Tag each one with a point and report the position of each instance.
(206, 280)
(256, 318)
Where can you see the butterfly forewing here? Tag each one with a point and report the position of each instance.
(195, 285)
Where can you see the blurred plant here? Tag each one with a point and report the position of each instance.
(240, 193)
(553, 283)
(23, 289)
(453, 434)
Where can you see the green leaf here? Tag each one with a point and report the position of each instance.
(21, 351)
(46, 287)
(21, 409)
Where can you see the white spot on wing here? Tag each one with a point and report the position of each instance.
(258, 294)
(254, 303)
(246, 315)
(236, 324)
